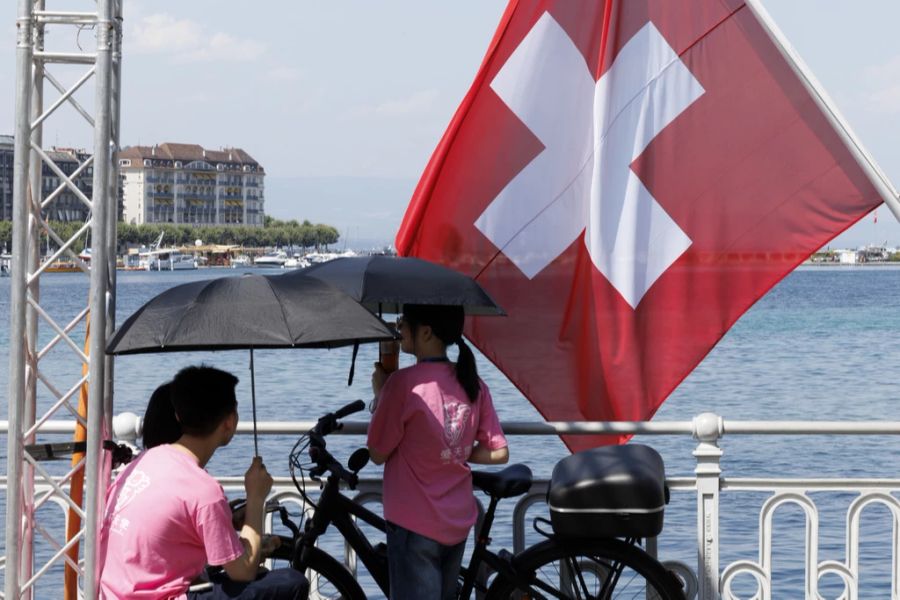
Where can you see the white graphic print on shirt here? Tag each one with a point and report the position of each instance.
(456, 418)
(136, 483)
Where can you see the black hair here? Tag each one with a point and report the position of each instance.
(203, 397)
(160, 425)
(446, 323)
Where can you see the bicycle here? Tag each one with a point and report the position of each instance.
(563, 567)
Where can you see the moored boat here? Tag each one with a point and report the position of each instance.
(271, 260)
(170, 260)
(62, 266)
(320, 257)
(240, 261)
(296, 262)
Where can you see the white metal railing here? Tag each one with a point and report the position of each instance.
(707, 580)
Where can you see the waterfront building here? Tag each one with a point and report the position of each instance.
(66, 206)
(186, 183)
(6, 177)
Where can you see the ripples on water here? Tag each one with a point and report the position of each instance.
(822, 345)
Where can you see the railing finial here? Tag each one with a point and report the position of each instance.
(127, 426)
(708, 427)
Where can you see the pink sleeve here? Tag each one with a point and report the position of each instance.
(386, 428)
(489, 431)
(220, 540)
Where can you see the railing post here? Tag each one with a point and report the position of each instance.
(708, 428)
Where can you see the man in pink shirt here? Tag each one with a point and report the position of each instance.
(430, 421)
(167, 518)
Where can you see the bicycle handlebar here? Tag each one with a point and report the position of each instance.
(326, 462)
(317, 452)
(328, 422)
(353, 407)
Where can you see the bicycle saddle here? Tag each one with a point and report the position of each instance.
(514, 480)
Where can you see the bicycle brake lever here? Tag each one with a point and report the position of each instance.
(327, 424)
(286, 521)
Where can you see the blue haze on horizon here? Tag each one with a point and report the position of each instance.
(343, 103)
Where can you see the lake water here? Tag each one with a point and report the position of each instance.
(822, 345)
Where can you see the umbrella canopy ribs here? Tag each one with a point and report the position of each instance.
(251, 311)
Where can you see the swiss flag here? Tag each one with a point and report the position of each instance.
(626, 179)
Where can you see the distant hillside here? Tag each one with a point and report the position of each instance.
(365, 210)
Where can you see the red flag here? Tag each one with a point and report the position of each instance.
(626, 179)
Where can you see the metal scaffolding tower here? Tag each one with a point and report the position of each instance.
(30, 484)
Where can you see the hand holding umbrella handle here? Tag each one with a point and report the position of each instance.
(379, 376)
(257, 480)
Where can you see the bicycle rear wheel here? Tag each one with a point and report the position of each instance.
(606, 569)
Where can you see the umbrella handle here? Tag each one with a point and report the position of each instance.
(253, 402)
(353, 364)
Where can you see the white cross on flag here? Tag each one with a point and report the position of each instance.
(626, 178)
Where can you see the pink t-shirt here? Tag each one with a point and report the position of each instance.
(427, 426)
(166, 518)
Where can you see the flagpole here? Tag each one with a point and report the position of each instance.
(866, 161)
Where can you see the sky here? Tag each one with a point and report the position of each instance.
(344, 102)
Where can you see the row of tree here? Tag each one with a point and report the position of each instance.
(273, 233)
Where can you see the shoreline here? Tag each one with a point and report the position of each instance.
(887, 264)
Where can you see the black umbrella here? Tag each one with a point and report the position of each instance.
(384, 283)
(247, 312)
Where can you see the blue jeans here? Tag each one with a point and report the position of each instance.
(421, 568)
(286, 584)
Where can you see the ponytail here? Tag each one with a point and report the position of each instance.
(467, 371)
(446, 323)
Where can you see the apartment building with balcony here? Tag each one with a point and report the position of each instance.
(6, 177)
(188, 184)
(64, 205)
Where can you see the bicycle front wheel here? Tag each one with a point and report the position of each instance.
(329, 579)
(573, 569)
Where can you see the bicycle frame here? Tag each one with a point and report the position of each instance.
(335, 508)
(499, 563)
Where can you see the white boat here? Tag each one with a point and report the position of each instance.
(296, 262)
(241, 261)
(134, 260)
(170, 260)
(321, 257)
(271, 260)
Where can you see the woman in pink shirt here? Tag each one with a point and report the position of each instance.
(430, 421)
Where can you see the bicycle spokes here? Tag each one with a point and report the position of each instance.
(320, 588)
(588, 578)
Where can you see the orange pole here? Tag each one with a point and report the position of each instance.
(76, 486)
